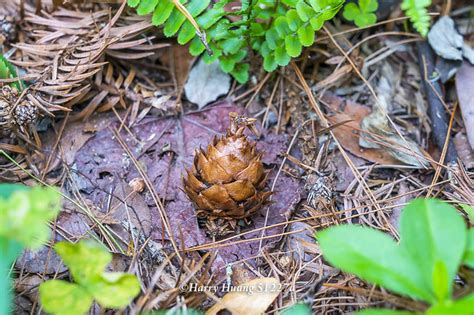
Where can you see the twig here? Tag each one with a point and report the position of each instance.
(435, 95)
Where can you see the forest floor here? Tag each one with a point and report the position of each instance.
(345, 131)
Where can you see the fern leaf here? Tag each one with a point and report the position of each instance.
(162, 12)
(133, 3)
(417, 11)
(146, 6)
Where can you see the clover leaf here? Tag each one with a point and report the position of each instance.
(434, 242)
(362, 14)
(25, 213)
(24, 216)
(86, 261)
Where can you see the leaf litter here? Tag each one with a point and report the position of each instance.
(370, 184)
(165, 148)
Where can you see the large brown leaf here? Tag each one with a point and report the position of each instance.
(165, 147)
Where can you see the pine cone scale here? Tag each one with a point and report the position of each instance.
(240, 190)
(210, 171)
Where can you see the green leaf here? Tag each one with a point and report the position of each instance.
(330, 8)
(196, 47)
(293, 45)
(6, 190)
(468, 258)
(306, 35)
(441, 281)
(464, 306)
(271, 37)
(365, 19)
(378, 311)
(281, 26)
(8, 71)
(373, 256)
(162, 12)
(298, 309)
(9, 251)
(281, 57)
(256, 29)
(241, 73)
(469, 211)
(177, 19)
(416, 10)
(269, 63)
(86, 260)
(290, 3)
(146, 6)
(368, 6)
(316, 22)
(265, 50)
(227, 64)
(115, 290)
(210, 17)
(232, 45)
(351, 10)
(293, 20)
(186, 33)
(25, 214)
(304, 11)
(133, 3)
(60, 297)
(433, 231)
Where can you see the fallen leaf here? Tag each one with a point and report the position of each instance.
(464, 80)
(449, 44)
(348, 134)
(206, 82)
(445, 39)
(378, 133)
(251, 298)
(178, 58)
(464, 150)
(164, 148)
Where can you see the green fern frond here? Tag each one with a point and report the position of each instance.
(417, 11)
(7, 71)
(277, 29)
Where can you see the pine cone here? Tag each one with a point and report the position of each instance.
(227, 180)
(25, 113)
(7, 29)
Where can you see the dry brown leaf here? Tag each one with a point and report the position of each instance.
(251, 298)
(348, 134)
(379, 133)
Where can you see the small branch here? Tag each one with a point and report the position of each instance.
(435, 97)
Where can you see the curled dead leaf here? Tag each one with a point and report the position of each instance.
(251, 298)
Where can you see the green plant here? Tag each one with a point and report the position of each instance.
(24, 216)
(7, 71)
(362, 14)
(418, 14)
(86, 261)
(276, 29)
(434, 243)
(298, 309)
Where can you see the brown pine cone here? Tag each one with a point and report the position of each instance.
(25, 113)
(227, 180)
(7, 29)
